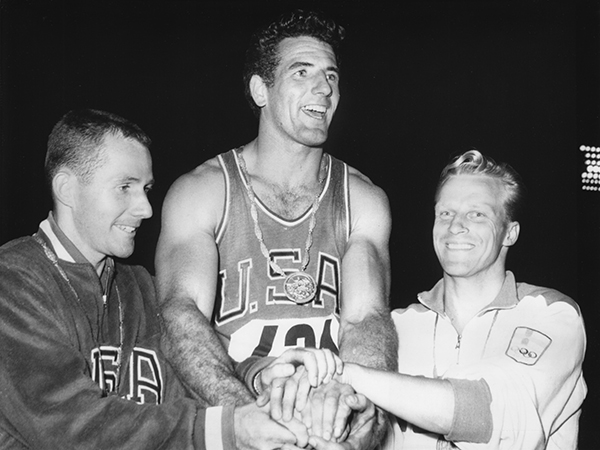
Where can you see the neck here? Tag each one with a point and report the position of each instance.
(288, 167)
(66, 224)
(287, 183)
(464, 298)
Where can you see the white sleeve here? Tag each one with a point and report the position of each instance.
(536, 385)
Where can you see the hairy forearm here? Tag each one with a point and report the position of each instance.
(371, 342)
(199, 357)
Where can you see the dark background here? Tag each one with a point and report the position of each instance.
(421, 81)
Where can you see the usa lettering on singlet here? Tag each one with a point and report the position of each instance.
(252, 315)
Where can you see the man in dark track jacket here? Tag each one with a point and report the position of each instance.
(80, 337)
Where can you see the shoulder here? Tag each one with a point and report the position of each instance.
(365, 193)
(206, 176)
(362, 185)
(197, 196)
(413, 317)
(369, 204)
(410, 311)
(549, 296)
(24, 269)
(23, 251)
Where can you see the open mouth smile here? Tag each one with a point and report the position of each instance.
(458, 246)
(126, 228)
(315, 111)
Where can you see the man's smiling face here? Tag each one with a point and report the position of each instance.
(109, 209)
(302, 101)
(471, 234)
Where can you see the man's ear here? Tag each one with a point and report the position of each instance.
(512, 233)
(63, 187)
(258, 90)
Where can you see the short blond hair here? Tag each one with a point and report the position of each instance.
(473, 162)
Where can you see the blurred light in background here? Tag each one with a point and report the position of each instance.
(590, 178)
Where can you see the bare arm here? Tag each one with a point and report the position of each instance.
(367, 334)
(425, 402)
(187, 271)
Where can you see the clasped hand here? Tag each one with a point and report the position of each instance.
(302, 384)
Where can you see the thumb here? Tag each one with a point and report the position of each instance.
(263, 398)
(317, 443)
(351, 400)
(356, 402)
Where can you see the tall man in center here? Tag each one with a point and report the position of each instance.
(277, 244)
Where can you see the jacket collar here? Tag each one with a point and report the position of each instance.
(506, 298)
(63, 247)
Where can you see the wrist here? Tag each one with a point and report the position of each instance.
(249, 369)
(349, 374)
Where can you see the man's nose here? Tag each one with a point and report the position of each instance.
(143, 208)
(458, 224)
(322, 85)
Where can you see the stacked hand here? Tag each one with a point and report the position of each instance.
(301, 391)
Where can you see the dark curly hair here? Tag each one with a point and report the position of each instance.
(262, 56)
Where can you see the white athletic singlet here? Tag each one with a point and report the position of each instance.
(252, 315)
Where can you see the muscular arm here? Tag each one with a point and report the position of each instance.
(187, 272)
(367, 333)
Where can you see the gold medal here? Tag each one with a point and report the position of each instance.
(300, 287)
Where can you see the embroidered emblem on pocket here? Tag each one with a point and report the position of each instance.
(527, 345)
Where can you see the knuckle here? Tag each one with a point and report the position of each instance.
(318, 397)
(278, 383)
(333, 402)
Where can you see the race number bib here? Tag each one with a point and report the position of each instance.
(273, 337)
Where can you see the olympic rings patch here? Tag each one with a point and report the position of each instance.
(527, 345)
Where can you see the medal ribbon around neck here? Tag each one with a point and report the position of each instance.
(53, 258)
(299, 286)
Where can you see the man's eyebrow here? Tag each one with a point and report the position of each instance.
(131, 179)
(298, 64)
(127, 179)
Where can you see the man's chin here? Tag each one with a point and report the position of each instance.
(124, 252)
(456, 269)
(314, 138)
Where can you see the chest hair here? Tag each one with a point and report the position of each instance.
(289, 203)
